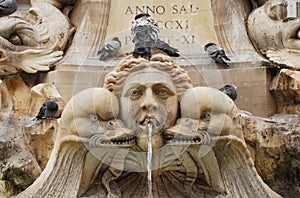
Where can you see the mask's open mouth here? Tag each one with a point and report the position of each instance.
(144, 123)
(179, 139)
(182, 140)
(123, 141)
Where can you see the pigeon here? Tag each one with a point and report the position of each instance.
(109, 49)
(144, 34)
(7, 7)
(217, 53)
(230, 90)
(48, 110)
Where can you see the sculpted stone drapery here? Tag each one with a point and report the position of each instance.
(203, 154)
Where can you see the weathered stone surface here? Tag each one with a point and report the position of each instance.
(14, 96)
(285, 86)
(275, 147)
(24, 152)
(19, 166)
(41, 138)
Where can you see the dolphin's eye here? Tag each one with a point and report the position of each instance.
(111, 123)
(206, 116)
(94, 117)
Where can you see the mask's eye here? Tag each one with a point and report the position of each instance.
(135, 94)
(162, 93)
(94, 117)
(206, 116)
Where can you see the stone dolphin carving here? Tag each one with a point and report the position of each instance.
(87, 114)
(211, 127)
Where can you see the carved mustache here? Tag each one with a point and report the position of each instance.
(157, 118)
(148, 119)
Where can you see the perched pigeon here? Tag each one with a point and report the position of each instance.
(109, 49)
(217, 53)
(144, 34)
(48, 110)
(7, 7)
(230, 90)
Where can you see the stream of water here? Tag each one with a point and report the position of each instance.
(149, 158)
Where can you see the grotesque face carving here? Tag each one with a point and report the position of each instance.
(148, 92)
(149, 96)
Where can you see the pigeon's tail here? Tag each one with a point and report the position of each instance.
(161, 45)
(103, 56)
(226, 58)
(224, 61)
(33, 122)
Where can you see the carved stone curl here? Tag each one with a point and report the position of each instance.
(35, 43)
(275, 35)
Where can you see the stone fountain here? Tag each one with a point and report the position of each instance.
(157, 127)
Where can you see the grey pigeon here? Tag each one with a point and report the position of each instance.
(230, 90)
(144, 34)
(7, 7)
(48, 110)
(109, 49)
(217, 53)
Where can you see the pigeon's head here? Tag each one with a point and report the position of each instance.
(208, 45)
(230, 87)
(52, 105)
(140, 15)
(231, 91)
(144, 28)
(116, 39)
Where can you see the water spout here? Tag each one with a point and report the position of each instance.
(149, 158)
